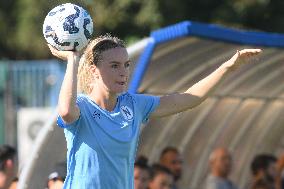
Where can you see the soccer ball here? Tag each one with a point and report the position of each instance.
(68, 27)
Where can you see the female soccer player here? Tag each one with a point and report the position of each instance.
(102, 123)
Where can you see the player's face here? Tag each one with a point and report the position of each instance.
(161, 181)
(113, 70)
(141, 178)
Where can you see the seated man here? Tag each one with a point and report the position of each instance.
(172, 159)
(220, 162)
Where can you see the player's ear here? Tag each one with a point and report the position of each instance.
(94, 70)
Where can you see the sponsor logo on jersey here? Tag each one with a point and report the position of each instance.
(96, 115)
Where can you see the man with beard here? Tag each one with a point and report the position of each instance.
(171, 159)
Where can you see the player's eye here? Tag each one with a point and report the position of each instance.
(127, 64)
(114, 66)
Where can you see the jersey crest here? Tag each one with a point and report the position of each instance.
(126, 112)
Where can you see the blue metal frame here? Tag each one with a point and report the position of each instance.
(211, 31)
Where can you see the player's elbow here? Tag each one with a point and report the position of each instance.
(64, 111)
(67, 114)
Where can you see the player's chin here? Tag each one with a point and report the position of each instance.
(119, 89)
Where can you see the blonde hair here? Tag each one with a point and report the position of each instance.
(92, 56)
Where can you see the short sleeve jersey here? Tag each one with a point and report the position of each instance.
(101, 144)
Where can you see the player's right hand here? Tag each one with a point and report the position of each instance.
(64, 55)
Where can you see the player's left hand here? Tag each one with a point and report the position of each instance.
(242, 57)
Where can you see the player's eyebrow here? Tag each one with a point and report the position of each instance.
(116, 62)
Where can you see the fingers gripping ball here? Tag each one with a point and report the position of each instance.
(68, 27)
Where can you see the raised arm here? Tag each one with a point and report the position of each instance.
(68, 110)
(195, 95)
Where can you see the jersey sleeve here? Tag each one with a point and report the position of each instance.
(62, 124)
(146, 104)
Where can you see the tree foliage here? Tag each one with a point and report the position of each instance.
(21, 20)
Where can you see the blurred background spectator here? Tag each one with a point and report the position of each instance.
(57, 177)
(7, 166)
(160, 177)
(220, 162)
(141, 173)
(280, 172)
(263, 168)
(171, 159)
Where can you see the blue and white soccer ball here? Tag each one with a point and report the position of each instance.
(68, 27)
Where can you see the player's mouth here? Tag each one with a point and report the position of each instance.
(122, 83)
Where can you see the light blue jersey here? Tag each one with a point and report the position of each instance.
(102, 145)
